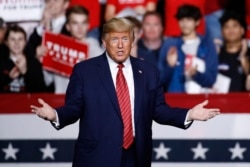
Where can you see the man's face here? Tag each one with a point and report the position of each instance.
(232, 31)
(56, 7)
(16, 42)
(78, 26)
(118, 45)
(188, 25)
(152, 27)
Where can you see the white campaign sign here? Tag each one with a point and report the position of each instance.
(21, 10)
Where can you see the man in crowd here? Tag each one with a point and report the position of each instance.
(77, 24)
(150, 44)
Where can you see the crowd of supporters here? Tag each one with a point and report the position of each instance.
(198, 46)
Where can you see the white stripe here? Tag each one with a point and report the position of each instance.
(224, 126)
(29, 126)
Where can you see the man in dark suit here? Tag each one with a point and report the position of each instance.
(115, 123)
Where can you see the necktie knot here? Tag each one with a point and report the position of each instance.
(120, 66)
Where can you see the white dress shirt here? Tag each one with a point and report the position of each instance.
(128, 74)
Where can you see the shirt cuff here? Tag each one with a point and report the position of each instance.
(56, 122)
(40, 29)
(186, 122)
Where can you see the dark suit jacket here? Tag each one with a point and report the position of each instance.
(91, 97)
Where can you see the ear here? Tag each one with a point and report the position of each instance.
(197, 23)
(242, 31)
(67, 27)
(66, 4)
(88, 25)
(104, 43)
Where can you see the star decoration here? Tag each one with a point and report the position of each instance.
(237, 151)
(162, 151)
(10, 152)
(199, 152)
(48, 152)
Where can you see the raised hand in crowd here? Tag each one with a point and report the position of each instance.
(19, 68)
(21, 64)
(47, 16)
(244, 59)
(191, 70)
(172, 56)
(41, 51)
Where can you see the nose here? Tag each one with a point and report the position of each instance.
(120, 44)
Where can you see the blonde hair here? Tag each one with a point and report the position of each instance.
(118, 25)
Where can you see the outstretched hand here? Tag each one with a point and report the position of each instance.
(45, 111)
(200, 113)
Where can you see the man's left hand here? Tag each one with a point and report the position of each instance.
(200, 113)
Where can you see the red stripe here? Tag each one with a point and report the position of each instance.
(229, 103)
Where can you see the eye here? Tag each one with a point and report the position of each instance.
(125, 39)
(114, 40)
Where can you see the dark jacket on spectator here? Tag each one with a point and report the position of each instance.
(33, 79)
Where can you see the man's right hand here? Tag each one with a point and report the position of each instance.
(45, 111)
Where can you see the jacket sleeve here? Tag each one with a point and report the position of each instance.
(34, 79)
(72, 110)
(207, 78)
(34, 41)
(164, 114)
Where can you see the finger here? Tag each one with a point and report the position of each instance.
(204, 103)
(34, 108)
(41, 101)
(213, 110)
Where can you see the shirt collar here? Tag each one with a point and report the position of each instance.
(113, 64)
(58, 22)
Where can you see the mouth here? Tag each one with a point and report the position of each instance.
(120, 53)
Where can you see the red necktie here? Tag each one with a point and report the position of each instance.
(125, 107)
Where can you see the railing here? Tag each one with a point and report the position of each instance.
(228, 103)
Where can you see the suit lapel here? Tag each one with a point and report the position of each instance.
(138, 83)
(106, 79)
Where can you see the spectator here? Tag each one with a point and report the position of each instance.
(150, 43)
(53, 19)
(137, 34)
(94, 9)
(213, 11)
(18, 72)
(234, 55)
(139, 8)
(248, 83)
(247, 4)
(77, 23)
(188, 63)
(171, 27)
(2, 30)
(3, 27)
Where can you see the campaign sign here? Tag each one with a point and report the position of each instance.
(63, 53)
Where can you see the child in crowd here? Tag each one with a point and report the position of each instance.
(188, 63)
